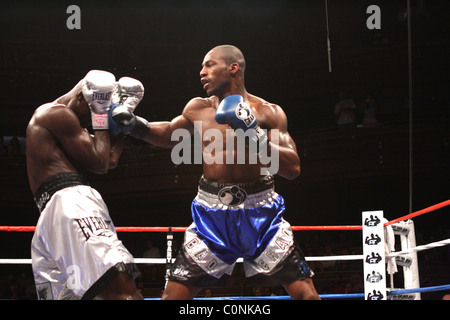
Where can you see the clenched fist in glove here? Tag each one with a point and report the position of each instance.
(129, 92)
(97, 88)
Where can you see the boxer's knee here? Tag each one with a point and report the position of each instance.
(178, 291)
(302, 290)
(122, 287)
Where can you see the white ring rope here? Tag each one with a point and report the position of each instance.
(421, 248)
(15, 261)
(324, 258)
(163, 261)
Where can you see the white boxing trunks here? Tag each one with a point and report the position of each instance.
(75, 250)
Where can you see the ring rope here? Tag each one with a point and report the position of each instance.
(424, 289)
(294, 228)
(182, 229)
(420, 212)
(163, 260)
(327, 296)
(422, 247)
(323, 296)
(318, 258)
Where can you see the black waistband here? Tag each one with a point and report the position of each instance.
(267, 182)
(55, 183)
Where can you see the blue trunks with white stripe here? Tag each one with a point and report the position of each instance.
(238, 220)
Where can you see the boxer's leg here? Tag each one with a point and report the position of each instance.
(95, 260)
(122, 287)
(178, 291)
(189, 275)
(302, 290)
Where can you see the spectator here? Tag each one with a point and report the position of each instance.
(338, 285)
(155, 279)
(329, 265)
(208, 293)
(315, 266)
(151, 251)
(14, 147)
(3, 148)
(258, 292)
(345, 110)
(13, 289)
(355, 285)
(369, 107)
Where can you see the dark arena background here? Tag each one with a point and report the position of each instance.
(398, 164)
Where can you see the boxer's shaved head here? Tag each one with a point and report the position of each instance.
(230, 54)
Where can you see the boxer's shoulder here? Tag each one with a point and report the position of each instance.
(269, 115)
(53, 114)
(259, 104)
(50, 109)
(198, 107)
(203, 103)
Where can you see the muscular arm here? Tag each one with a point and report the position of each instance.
(92, 152)
(117, 145)
(289, 161)
(160, 133)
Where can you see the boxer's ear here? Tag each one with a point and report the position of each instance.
(80, 97)
(233, 68)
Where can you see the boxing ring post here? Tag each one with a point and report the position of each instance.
(374, 266)
(376, 254)
(169, 240)
(409, 262)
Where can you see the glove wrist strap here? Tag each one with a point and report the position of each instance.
(99, 121)
(141, 129)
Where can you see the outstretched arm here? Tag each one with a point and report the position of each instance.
(158, 133)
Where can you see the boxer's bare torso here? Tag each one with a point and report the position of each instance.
(221, 79)
(203, 110)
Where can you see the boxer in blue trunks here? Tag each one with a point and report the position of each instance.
(236, 213)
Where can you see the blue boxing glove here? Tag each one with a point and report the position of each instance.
(121, 119)
(234, 111)
(127, 94)
(116, 127)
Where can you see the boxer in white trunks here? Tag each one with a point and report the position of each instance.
(75, 251)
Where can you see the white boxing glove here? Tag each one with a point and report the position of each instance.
(97, 88)
(129, 93)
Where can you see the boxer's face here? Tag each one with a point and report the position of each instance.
(82, 110)
(214, 75)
